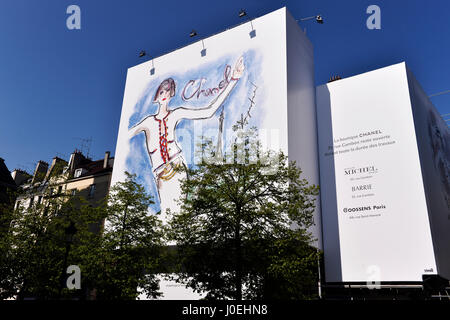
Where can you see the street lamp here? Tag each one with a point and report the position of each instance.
(318, 18)
(203, 51)
(243, 13)
(143, 54)
(69, 232)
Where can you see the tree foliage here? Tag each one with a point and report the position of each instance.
(131, 244)
(35, 249)
(241, 230)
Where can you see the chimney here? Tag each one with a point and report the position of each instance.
(334, 78)
(75, 159)
(106, 160)
(40, 171)
(55, 168)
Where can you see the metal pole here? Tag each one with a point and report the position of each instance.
(61, 284)
(318, 269)
(439, 93)
(308, 18)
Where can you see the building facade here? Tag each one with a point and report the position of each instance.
(79, 176)
(7, 185)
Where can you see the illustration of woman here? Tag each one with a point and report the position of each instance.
(165, 154)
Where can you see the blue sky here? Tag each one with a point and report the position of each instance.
(59, 85)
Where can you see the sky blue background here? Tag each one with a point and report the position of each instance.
(58, 85)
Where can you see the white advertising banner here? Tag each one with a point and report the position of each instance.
(375, 219)
(433, 138)
(203, 89)
(239, 76)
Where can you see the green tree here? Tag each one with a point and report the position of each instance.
(35, 250)
(128, 255)
(241, 231)
(114, 259)
(8, 282)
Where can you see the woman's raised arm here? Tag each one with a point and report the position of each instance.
(207, 112)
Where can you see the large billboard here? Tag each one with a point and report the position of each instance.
(433, 138)
(202, 89)
(376, 218)
(206, 88)
(259, 73)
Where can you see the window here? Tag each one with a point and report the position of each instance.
(77, 173)
(73, 192)
(31, 202)
(59, 189)
(39, 200)
(91, 190)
